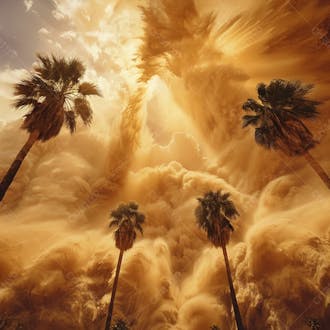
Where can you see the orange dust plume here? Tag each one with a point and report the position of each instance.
(188, 66)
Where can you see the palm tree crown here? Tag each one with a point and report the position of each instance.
(120, 325)
(54, 95)
(279, 110)
(127, 219)
(214, 327)
(213, 215)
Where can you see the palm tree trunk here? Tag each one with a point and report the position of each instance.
(11, 173)
(113, 293)
(317, 168)
(237, 313)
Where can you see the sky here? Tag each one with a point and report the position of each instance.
(173, 75)
(20, 41)
(22, 24)
(63, 27)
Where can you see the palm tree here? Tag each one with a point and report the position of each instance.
(214, 327)
(213, 215)
(314, 324)
(127, 219)
(52, 95)
(120, 325)
(279, 110)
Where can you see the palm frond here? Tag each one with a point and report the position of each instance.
(250, 120)
(25, 102)
(264, 137)
(87, 88)
(139, 228)
(114, 222)
(70, 120)
(115, 214)
(214, 327)
(199, 214)
(225, 196)
(45, 60)
(252, 105)
(133, 205)
(305, 108)
(229, 209)
(285, 93)
(44, 67)
(60, 70)
(59, 67)
(139, 218)
(43, 87)
(228, 225)
(75, 70)
(47, 118)
(262, 92)
(25, 88)
(120, 325)
(83, 109)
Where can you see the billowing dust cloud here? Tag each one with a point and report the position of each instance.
(178, 135)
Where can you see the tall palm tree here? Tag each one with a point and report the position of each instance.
(278, 120)
(53, 95)
(213, 214)
(314, 324)
(214, 327)
(127, 219)
(120, 325)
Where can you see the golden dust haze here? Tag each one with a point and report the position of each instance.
(167, 130)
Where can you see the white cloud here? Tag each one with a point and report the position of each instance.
(66, 8)
(8, 78)
(95, 51)
(28, 4)
(43, 31)
(58, 15)
(69, 35)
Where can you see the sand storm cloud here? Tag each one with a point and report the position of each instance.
(202, 60)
